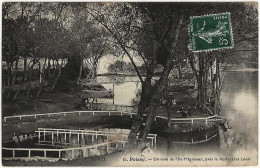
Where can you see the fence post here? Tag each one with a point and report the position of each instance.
(84, 152)
(57, 136)
(96, 135)
(155, 118)
(44, 153)
(192, 120)
(78, 138)
(59, 154)
(206, 120)
(39, 136)
(20, 118)
(5, 119)
(35, 116)
(79, 113)
(29, 154)
(107, 148)
(93, 113)
(52, 136)
(72, 153)
(121, 114)
(109, 113)
(44, 135)
(13, 153)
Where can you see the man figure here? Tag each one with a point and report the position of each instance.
(189, 111)
(183, 112)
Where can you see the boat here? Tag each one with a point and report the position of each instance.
(97, 94)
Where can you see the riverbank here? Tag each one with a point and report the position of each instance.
(48, 102)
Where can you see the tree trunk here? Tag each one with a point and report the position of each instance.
(145, 96)
(48, 68)
(11, 79)
(9, 73)
(42, 83)
(179, 69)
(80, 68)
(21, 85)
(156, 95)
(54, 69)
(14, 74)
(57, 77)
(24, 68)
(217, 88)
(29, 84)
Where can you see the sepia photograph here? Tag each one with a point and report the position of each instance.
(136, 84)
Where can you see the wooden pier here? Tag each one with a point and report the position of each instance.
(67, 133)
(72, 144)
(64, 154)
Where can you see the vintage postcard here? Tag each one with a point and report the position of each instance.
(136, 84)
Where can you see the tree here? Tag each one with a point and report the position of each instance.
(123, 30)
(152, 30)
(117, 67)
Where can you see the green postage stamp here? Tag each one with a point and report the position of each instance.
(211, 32)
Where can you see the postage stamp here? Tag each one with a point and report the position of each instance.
(211, 32)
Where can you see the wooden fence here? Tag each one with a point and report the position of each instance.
(123, 134)
(20, 117)
(117, 138)
(214, 118)
(192, 141)
(86, 151)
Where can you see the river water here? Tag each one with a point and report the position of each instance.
(240, 105)
(239, 98)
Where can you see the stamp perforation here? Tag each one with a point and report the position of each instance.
(212, 49)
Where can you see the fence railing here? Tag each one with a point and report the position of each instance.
(192, 141)
(70, 112)
(214, 118)
(119, 138)
(59, 151)
(196, 120)
(93, 133)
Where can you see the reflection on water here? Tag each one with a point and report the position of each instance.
(239, 102)
(191, 143)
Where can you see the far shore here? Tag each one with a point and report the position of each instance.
(244, 69)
